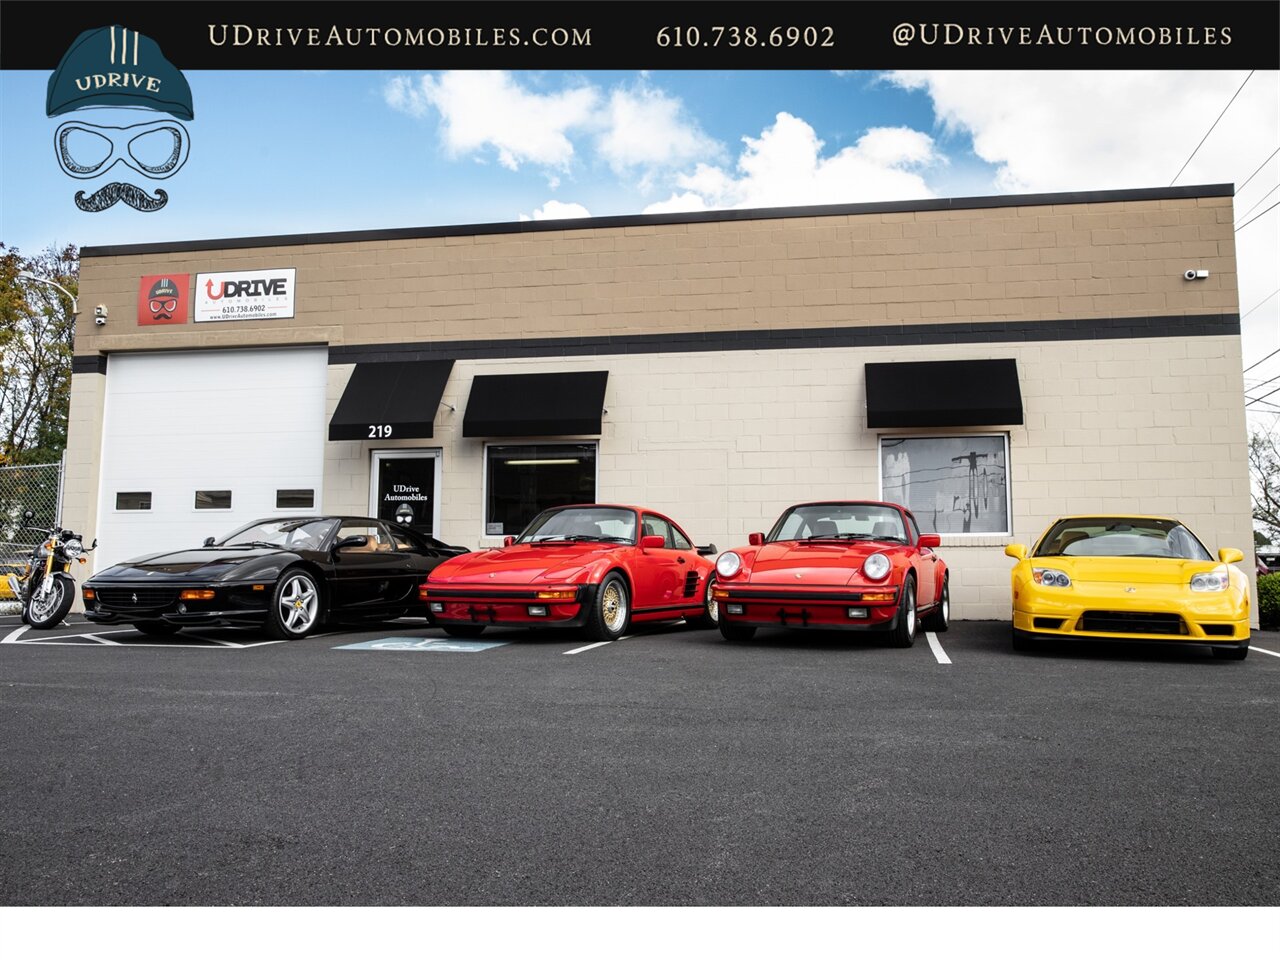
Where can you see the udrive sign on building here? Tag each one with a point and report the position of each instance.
(245, 295)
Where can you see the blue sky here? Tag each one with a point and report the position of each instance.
(289, 152)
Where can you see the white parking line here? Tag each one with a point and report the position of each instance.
(1270, 653)
(592, 646)
(97, 639)
(15, 634)
(936, 647)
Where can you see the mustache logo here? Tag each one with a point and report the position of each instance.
(162, 316)
(113, 193)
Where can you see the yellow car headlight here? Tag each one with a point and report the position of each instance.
(1048, 577)
(1214, 581)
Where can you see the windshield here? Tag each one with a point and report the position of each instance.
(289, 534)
(840, 521)
(1121, 537)
(607, 524)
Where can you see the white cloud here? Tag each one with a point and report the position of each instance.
(785, 166)
(646, 128)
(488, 109)
(1092, 130)
(1099, 130)
(556, 210)
(687, 202)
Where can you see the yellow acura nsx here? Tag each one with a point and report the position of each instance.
(1129, 578)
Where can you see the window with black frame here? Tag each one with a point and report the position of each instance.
(525, 479)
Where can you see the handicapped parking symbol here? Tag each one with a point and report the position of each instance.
(426, 644)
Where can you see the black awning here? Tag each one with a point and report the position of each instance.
(389, 401)
(535, 404)
(943, 393)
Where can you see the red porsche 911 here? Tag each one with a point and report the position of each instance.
(858, 565)
(596, 566)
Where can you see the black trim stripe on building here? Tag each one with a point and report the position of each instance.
(655, 219)
(999, 331)
(92, 363)
(885, 335)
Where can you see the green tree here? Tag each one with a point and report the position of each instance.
(37, 334)
(1264, 466)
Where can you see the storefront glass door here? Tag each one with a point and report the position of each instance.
(403, 487)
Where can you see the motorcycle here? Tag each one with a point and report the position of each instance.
(46, 589)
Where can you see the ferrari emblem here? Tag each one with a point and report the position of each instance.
(1130, 589)
(135, 598)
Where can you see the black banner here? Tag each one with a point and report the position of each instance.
(635, 35)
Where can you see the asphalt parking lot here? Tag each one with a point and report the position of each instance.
(667, 768)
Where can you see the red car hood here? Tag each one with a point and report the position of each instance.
(820, 563)
(520, 564)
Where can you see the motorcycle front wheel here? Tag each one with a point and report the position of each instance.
(47, 611)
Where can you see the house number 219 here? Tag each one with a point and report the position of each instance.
(379, 431)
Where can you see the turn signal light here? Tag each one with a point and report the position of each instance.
(89, 594)
(196, 595)
(422, 591)
(874, 597)
(719, 593)
(558, 594)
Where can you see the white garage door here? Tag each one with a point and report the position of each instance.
(182, 430)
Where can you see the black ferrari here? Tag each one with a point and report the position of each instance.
(287, 576)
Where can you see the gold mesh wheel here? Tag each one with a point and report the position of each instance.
(613, 606)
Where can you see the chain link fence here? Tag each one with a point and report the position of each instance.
(38, 488)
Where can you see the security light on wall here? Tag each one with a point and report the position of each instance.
(1196, 275)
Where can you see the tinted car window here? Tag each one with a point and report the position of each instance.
(678, 540)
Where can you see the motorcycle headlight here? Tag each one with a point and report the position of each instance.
(73, 548)
(875, 567)
(1212, 582)
(728, 563)
(1048, 577)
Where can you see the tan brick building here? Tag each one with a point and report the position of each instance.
(732, 349)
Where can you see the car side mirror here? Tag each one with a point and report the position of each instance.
(210, 541)
(1230, 555)
(755, 539)
(708, 551)
(930, 540)
(356, 541)
(1016, 550)
(653, 542)
(508, 541)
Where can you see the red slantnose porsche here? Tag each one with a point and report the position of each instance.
(595, 566)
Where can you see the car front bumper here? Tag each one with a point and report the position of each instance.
(812, 609)
(240, 604)
(507, 606)
(1160, 614)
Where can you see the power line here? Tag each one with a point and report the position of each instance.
(1258, 386)
(1259, 203)
(1259, 216)
(1261, 398)
(1206, 136)
(1263, 360)
(1255, 173)
(1260, 303)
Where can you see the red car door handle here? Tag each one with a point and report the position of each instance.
(681, 559)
